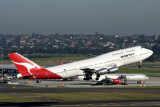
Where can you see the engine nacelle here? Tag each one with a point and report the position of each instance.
(107, 70)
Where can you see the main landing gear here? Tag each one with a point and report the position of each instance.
(139, 66)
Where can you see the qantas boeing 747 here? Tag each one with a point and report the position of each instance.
(105, 63)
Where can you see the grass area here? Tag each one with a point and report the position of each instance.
(6, 61)
(13, 98)
(33, 97)
(148, 87)
(49, 59)
(94, 96)
(55, 60)
(137, 70)
(148, 64)
(153, 75)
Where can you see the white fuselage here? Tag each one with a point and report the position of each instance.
(117, 58)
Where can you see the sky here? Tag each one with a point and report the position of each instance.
(121, 17)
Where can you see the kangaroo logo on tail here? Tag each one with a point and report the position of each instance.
(30, 70)
(20, 61)
(28, 66)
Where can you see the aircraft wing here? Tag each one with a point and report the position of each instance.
(89, 71)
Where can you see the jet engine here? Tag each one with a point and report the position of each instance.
(107, 70)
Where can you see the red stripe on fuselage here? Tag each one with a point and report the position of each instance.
(44, 74)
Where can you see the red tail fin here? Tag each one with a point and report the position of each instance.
(30, 70)
(24, 65)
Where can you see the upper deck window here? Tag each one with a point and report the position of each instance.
(130, 51)
(117, 53)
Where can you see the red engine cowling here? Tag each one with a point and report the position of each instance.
(117, 81)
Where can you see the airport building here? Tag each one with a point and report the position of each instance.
(8, 70)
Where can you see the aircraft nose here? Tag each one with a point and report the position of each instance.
(151, 52)
(146, 77)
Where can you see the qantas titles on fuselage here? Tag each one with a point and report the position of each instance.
(99, 65)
